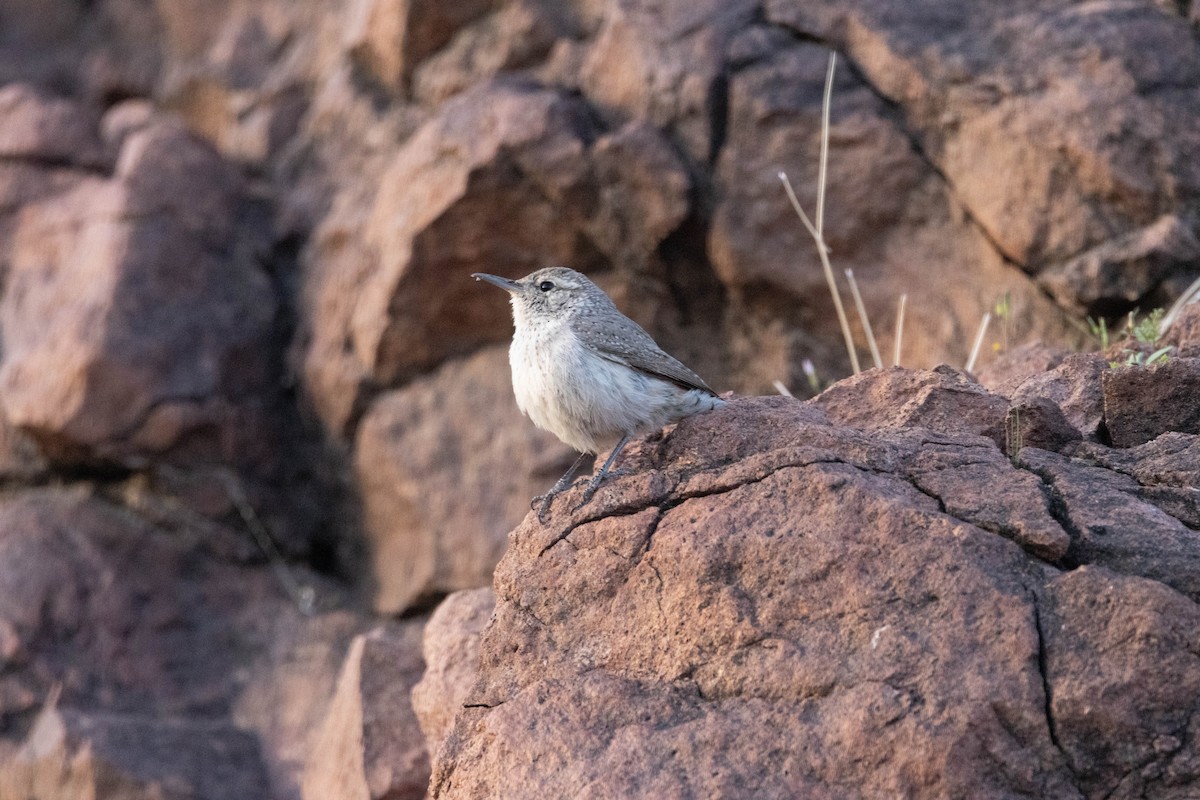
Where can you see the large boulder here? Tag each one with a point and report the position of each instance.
(136, 321)
(1101, 215)
(889, 215)
(771, 604)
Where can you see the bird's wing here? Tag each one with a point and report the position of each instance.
(622, 340)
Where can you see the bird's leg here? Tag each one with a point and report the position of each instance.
(562, 483)
(594, 483)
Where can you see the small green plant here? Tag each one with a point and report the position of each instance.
(1003, 312)
(1098, 328)
(1136, 358)
(1147, 330)
(1013, 435)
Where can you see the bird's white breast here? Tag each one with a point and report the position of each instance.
(586, 400)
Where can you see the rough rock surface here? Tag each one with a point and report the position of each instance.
(139, 626)
(999, 141)
(773, 604)
(451, 653)
(369, 745)
(107, 353)
(1140, 403)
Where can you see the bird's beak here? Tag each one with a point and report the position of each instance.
(510, 286)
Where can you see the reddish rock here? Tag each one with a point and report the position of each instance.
(1073, 386)
(451, 660)
(446, 467)
(48, 131)
(1117, 272)
(975, 483)
(388, 38)
(70, 755)
(689, 632)
(290, 681)
(135, 320)
(1004, 374)
(370, 745)
(1110, 640)
(663, 62)
(1141, 403)
(1115, 524)
(516, 35)
(986, 102)
(1038, 422)
(1184, 334)
(1167, 469)
(888, 216)
(943, 400)
(176, 625)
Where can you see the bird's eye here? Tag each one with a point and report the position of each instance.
(546, 286)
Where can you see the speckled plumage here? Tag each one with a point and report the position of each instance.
(587, 373)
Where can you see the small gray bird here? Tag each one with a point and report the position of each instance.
(589, 374)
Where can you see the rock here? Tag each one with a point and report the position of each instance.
(289, 685)
(1184, 335)
(976, 484)
(985, 105)
(48, 131)
(370, 745)
(1074, 386)
(109, 353)
(446, 467)
(388, 38)
(1115, 524)
(69, 755)
(451, 657)
(1038, 422)
(1006, 373)
(888, 214)
(688, 633)
(1167, 469)
(518, 177)
(942, 400)
(98, 601)
(1108, 639)
(664, 63)
(1117, 272)
(517, 35)
(1140, 403)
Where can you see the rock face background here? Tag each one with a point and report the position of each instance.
(255, 418)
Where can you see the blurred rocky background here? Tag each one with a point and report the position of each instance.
(256, 419)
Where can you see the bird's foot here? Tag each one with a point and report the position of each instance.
(590, 490)
(541, 504)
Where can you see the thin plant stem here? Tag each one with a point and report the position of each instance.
(783, 390)
(983, 326)
(862, 315)
(899, 328)
(823, 171)
(823, 252)
(1190, 295)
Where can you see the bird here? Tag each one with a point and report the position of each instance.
(588, 374)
